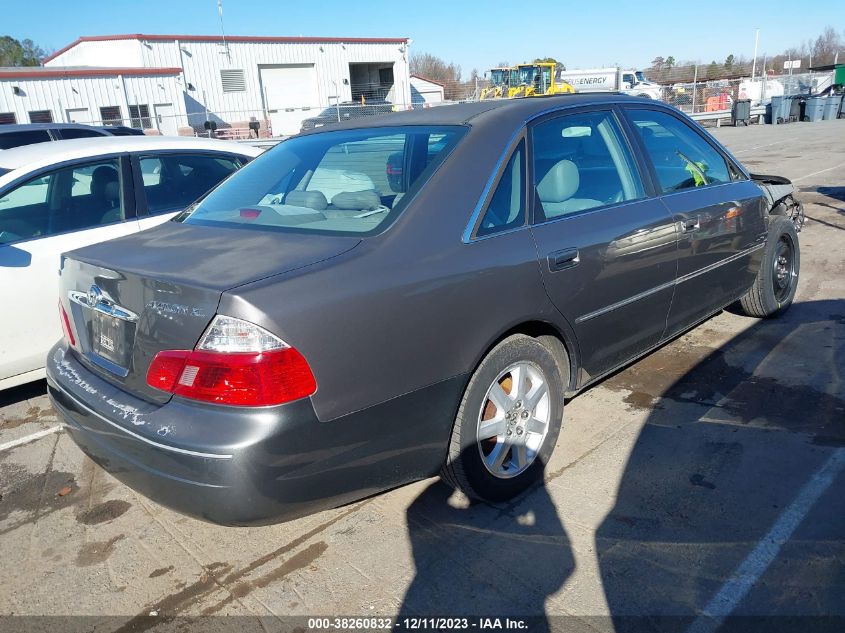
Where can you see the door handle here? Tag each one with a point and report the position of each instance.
(566, 258)
(692, 225)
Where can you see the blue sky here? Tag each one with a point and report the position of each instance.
(472, 34)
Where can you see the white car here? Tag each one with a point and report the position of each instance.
(59, 196)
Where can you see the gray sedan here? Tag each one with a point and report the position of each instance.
(333, 321)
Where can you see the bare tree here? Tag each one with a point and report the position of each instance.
(432, 67)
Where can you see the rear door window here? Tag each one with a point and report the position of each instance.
(70, 199)
(682, 158)
(507, 206)
(171, 182)
(69, 133)
(347, 181)
(581, 162)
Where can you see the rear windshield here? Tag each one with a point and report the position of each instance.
(352, 182)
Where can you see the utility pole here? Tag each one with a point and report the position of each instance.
(694, 87)
(754, 63)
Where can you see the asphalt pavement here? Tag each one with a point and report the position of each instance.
(704, 481)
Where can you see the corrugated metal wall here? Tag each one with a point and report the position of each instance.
(61, 94)
(202, 62)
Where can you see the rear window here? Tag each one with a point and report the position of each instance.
(350, 182)
(27, 137)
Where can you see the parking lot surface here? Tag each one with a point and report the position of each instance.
(702, 481)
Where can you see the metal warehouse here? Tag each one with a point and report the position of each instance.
(175, 83)
(91, 95)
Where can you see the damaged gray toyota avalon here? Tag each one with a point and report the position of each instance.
(374, 303)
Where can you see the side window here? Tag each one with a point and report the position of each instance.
(173, 181)
(682, 158)
(27, 137)
(507, 206)
(581, 162)
(76, 132)
(70, 199)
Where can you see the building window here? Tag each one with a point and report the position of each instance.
(8, 118)
(40, 116)
(139, 116)
(110, 115)
(233, 80)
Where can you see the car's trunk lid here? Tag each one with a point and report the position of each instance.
(132, 297)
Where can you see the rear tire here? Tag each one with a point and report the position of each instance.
(777, 280)
(498, 450)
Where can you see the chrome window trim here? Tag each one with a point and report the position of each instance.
(481, 205)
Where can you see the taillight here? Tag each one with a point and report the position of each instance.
(66, 325)
(235, 363)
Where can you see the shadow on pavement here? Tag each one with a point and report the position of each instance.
(733, 435)
(23, 392)
(481, 560)
(729, 444)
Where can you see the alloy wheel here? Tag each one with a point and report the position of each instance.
(514, 420)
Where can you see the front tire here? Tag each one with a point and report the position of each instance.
(777, 280)
(509, 419)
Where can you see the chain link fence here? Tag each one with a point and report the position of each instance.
(705, 99)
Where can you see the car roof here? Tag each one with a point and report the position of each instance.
(508, 112)
(24, 127)
(42, 154)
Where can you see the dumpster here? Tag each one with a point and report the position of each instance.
(831, 106)
(785, 108)
(775, 110)
(814, 110)
(795, 107)
(741, 112)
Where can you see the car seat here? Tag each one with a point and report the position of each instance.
(557, 188)
(105, 196)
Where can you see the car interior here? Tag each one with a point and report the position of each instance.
(69, 199)
(350, 186)
(580, 164)
(173, 181)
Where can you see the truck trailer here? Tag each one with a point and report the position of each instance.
(632, 82)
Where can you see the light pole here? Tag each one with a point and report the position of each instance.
(336, 100)
(754, 63)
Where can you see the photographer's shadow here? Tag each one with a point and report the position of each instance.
(484, 560)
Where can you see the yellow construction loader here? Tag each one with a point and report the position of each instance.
(499, 79)
(539, 78)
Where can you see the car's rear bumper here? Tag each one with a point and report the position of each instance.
(239, 466)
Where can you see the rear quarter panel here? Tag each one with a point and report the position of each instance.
(412, 306)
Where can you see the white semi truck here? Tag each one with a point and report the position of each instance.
(632, 82)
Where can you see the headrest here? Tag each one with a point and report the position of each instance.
(111, 192)
(357, 200)
(560, 183)
(309, 199)
(101, 176)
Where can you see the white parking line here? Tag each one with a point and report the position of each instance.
(816, 173)
(30, 438)
(756, 563)
(751, 149)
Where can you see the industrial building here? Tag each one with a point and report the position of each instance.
(175, 83)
